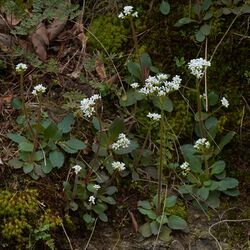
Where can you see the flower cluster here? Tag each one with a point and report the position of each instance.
(224, 102)
(38, 89)
(160, 85)
(154, 116)
(96, 187)
(92, 199)
(117, 165)
(134, 85)
(128, 11)
(202, 144)
(185, 168)
(77, 168)
(122, 142)
(21, 67)
(87, 105)
(197, 66)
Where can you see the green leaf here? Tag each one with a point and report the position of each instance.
(164, 7)
(46, 167)
(108, 199)
(224, 141)
(213, 98)
(170, 201)
(52, 132)
(16, 138)
(203, 116)
(16, 103)
(214, 199)
(228, 183)
(38, 155)
(66, 124)
(73, 206)
(72, 146)
(111, 190)
(56, 158)
(145, 204)
(103, 217)
(116, 127)
(26, 146)
(151, 214)
(28, 167)
(96, 123)
(99, 208)
(165, 234)
(206, 5)
(162, 219)
(134, 69)
(145, 230)
(218, 167)
(183, 21)
(199, 36)
(154, 227)
(88, 218)
(205, 29)
(176, 222)
(167, 104)
(145, 60)
(208, 15)
(186, 189)
(15, 163)
(232, 192)
(211, 122)
(203, 193)
(130, 98)
(194, 162)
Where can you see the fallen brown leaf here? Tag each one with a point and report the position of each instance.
(55, 28)
(39, 46)
(43, 33)
(100, 69)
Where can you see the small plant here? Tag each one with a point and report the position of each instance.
(160, 224)
(44, 143)
(205, 174)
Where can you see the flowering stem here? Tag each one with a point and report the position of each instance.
(136, 47)
(162, 138)
(24, 109)
(138, 158)
(200, 121)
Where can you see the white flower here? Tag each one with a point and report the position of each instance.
(122, 142)
(38, 89)
(117, 165)
(135, 14)
(96, 186)
(160, 85)
(21, 67)
(184, 165)
(135, 85)
(77, 168)
(92, 199)
(224, 102)
(128, 11)
(197, 66)
(154, 116)
(202, 144)
(87, 105)
(185, 168)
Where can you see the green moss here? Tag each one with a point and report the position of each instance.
(110, 32)
(22, 219)
(178, 209)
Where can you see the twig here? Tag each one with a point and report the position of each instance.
(219, 222)
(90, 237)
(217, 46)
(64, 230)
